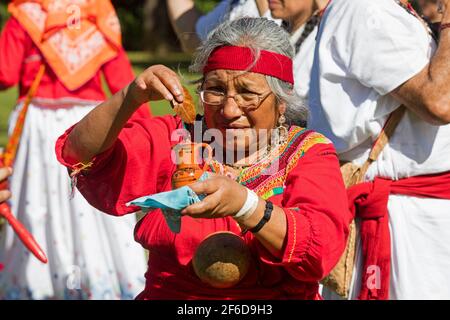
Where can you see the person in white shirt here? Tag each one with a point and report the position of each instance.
(372, 57)
(192, 27)
(301, 19)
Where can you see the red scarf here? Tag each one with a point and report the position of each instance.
(368, 201)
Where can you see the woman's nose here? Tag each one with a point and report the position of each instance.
(230, 109)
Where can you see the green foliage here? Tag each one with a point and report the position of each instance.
(131, 24)
(8, 100)
(206, 5)
(3, 14)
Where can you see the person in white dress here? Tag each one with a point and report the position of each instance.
(372, 57)
(90, 255)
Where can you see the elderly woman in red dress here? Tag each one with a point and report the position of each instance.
(291, 199)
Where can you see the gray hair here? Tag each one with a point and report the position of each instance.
(257, 34)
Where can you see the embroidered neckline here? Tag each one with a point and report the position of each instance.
(245, 175)
(267, 176)
(252, 173)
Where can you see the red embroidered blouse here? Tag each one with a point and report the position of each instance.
(307, 185)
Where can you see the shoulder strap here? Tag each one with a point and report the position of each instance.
(14, 139)
(382, 139)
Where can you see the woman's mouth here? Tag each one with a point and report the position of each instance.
(273, 4)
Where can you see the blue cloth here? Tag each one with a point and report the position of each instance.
(208, 22)
(171, 203)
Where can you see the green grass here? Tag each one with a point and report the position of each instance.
(7, 101)
(179, 62)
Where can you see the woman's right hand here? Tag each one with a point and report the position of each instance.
(157, 82)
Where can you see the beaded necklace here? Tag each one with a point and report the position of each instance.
(230, 170)
(312, 22)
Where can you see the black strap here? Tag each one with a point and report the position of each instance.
(264, 219)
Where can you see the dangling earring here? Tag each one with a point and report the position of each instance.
(440, 8)
(282, 131)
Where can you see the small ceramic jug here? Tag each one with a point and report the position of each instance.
(188, 167)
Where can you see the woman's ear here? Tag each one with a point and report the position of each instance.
(282, 108)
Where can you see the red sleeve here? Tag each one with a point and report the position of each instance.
(118, 74)
(138, 164)
(315, 204)
(13, 43)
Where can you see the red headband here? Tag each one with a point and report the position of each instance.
(241, 58)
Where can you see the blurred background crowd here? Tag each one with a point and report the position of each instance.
(146, 26)
(149, 38)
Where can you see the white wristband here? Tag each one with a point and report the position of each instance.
(249, 207)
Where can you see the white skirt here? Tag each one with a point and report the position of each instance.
(91, 255)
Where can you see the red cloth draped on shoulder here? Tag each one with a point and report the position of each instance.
(313, 198)
(368, 201)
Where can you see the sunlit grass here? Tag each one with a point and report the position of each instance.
(7, 101)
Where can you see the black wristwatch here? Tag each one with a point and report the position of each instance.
(264, 219)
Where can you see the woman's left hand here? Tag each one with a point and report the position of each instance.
(225, 197)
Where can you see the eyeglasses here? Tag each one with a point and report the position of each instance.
(245, 101)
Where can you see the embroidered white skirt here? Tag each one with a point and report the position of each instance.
(91, 255)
